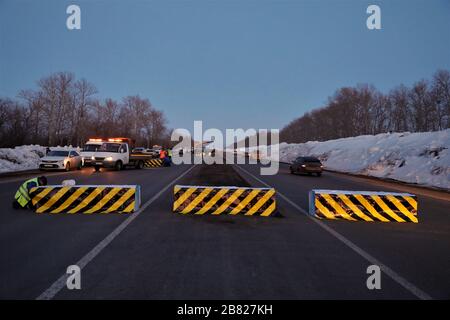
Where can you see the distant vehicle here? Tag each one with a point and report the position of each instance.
(113, 153)
(139, 150)
(153, 152)
(61, 160)
(308, 165)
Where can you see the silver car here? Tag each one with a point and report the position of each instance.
(61, 160)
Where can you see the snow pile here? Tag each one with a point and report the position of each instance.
(20, 158)
(422, 158)
(25, 157)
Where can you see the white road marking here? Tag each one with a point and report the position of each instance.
(59, 284)
(372, 260)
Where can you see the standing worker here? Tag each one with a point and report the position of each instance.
(169, 153)
(162, 153)
(22, 197)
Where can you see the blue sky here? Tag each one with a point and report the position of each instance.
(235, 63)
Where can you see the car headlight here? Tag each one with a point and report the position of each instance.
(109, 159)
(303, 166)
(92, 158)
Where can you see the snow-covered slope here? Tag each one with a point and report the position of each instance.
(24, 157)
(20, 158)
(422, 158)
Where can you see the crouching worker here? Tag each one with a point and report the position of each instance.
(22, 198)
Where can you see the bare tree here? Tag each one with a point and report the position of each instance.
(353, 111)
(441, 94)
(64, 110)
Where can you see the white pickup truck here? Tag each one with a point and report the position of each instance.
(112, 153)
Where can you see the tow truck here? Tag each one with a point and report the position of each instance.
(112, 153)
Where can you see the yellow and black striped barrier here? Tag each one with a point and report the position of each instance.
(153, 163)
(86, 199)
(230, 200)
(363, 206)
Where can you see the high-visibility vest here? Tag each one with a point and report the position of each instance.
(162, 154)
(22, 196)
(170, 153)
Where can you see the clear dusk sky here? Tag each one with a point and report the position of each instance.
(234, 63)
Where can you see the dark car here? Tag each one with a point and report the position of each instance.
(307, 165)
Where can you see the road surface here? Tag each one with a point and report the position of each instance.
(157, 254)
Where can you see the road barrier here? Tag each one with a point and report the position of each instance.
(363, 206)
(218, 200)
(86, 199)
(153, 163)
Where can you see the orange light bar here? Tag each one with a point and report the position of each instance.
(115, 140)
(95, 140)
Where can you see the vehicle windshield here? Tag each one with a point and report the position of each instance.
(109, 147)
(91, 147)
(58, 154)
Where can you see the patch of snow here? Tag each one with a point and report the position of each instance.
(25, 157)
(20, 158)
(422, 158)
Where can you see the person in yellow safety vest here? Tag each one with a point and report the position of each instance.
(22, 196)
(169, 153)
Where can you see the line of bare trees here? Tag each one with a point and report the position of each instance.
(64, 110)
(360, 110)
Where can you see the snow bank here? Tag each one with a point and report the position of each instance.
(422, 158)
(20, 158)
(24, 157)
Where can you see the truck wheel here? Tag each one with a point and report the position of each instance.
(139, 164)
(118, 165)
(96, 168)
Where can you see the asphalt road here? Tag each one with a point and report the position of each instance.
(157, 254)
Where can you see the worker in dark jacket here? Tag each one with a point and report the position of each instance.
(22, 198)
